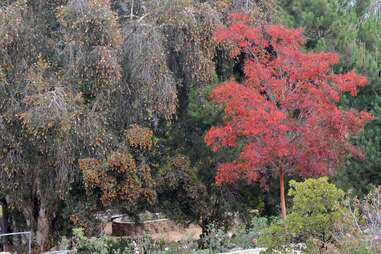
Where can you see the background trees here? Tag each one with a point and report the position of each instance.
(349, 28)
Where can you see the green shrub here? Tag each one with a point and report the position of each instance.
(317, 207)
(245, 234)
(100, 245)
(274, 237)
(362, 250)
(220, 240)
(108, 245)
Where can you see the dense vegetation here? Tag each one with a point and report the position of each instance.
(104, 104)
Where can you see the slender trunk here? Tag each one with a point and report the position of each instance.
(204, 237)
(282, 198)
(132, 10)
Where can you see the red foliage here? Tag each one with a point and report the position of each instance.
(285, 112)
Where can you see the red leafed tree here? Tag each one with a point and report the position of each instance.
(284, 115)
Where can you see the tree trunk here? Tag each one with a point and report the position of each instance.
(132, 10)
(203, 242)
(43, 231)
(282, 197)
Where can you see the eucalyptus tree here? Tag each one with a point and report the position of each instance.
(78, 78)
(35, 113)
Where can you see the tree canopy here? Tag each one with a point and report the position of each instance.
(284, 115)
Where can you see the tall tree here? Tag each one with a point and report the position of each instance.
(35, 110)
(284, 115)
(56, 77)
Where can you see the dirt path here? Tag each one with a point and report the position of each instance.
(190, 233)
(180, 234)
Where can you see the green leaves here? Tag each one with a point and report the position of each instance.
(316, 207)
(348, 28)
(314, 196)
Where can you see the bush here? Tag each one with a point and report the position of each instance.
(317, 207)
(275, 237)
(99, 245)
(108, 245)
(361, 228)
(244, 236)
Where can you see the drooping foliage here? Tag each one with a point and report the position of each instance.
(75, 78)
(91, 68)
(284, 115)
(150, 80)
(183, 31)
